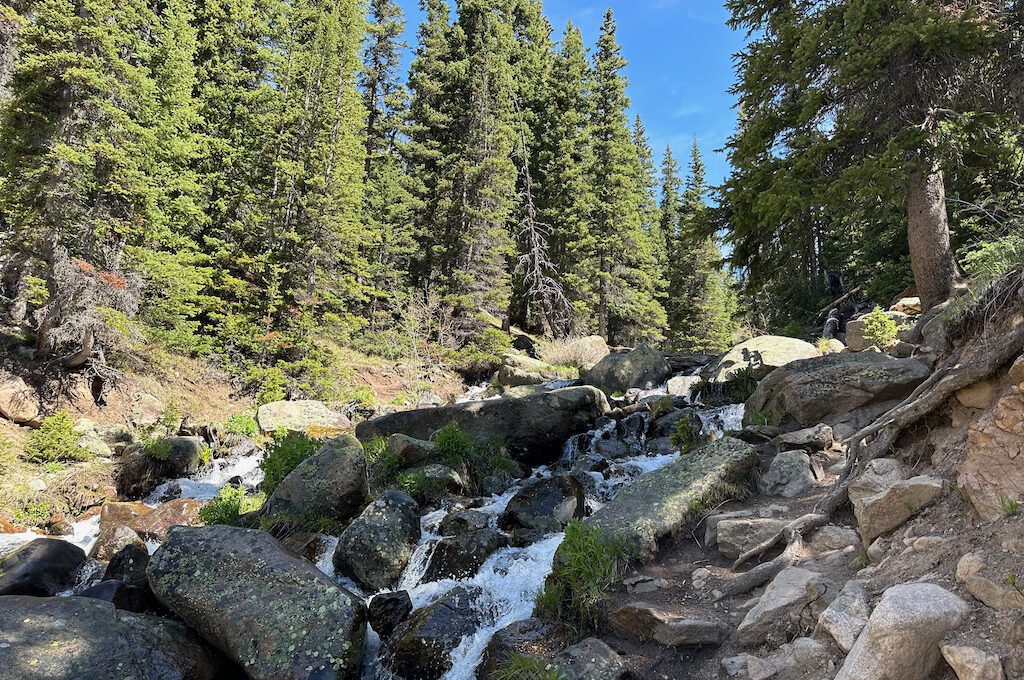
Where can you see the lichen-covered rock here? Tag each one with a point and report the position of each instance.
(791, 603)
(420, 647)
(788, 475)
(992, 473)
(660, 503)
(533, 428)
(300, 416)
(329, 485)
(41, 568)
(762, 355)
(517, 370)
(377, 545)
(644, 368)
(71, 638)
(274, 614)
(591, 659)
(737, 535)
(841, 390)
(903, 634)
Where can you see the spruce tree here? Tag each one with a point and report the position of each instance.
(388, 206)
(565, 198)
(626, 306)
(701, 303)
(853, 107)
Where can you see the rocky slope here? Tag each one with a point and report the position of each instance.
(858, 518)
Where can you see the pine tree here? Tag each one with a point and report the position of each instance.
(670, 202)
(77, 148)
(388, 209)
(431, 144)
(477, 241)
(626, 304)
(701, 303)
(565, 198)
(851, 108)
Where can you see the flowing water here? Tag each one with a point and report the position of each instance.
(510, 579)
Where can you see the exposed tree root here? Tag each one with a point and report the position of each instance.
(872, 442)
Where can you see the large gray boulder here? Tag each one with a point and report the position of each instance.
(762, 355)
(41, 568)
(71, 638)
(377, 545)
(533, 428)
(660, 503)
(329, 485)
(644, 367)
(274, 614)
(300, 416)
(842, 390)
(904, 632)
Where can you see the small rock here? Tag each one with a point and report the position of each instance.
(908, 305)
(970, 663)
(644, 584)
(846, 617)
(112, 541)
(711, 525)
(421, 645)
(375, 548)
(979, 395)
(832, 537)
(993, 594)
(969, 565)
(411, 450)
(788, 475)
(18, 402)
(545, 504)
(819, 438)
(642, 621)
(903, 634)
(591, 659)
(736, 536)
(388, 610)
(881, 513)
(128, 566)
(300, 416)
(792, 602)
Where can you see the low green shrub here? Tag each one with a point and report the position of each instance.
(33, 514)
(523, 667)
(242, 424)
(683, 435)
(880, 329)
(382, 466)
(55, 441)
(588, 564)
(478, 459)
(229, 506)
(285, 452)
(157, 447)
(737, 390)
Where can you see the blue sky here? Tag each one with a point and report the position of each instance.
(680, 66)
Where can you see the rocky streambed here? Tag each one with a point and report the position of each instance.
(474, 566)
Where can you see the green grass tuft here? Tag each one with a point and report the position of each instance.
(523, 667)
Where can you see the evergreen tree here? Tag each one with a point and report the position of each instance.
(670, 202)
(701, 303)
(565, 198)
(852, 108)
(620, 241)
(432, 142)
(77, 150)
(482, 177)
(388, 210)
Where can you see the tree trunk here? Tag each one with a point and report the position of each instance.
(931, 257)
